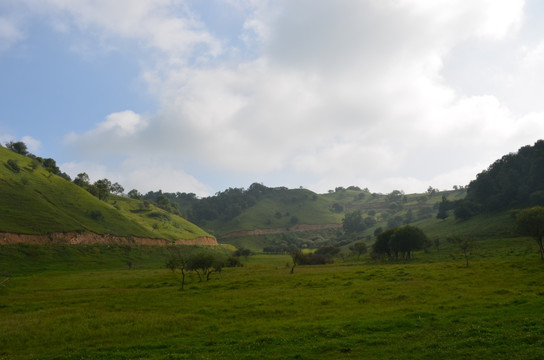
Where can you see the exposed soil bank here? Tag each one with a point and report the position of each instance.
(301, 227)
(88, 238)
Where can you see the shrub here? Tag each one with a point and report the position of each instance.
(97, 215)
(13, 166)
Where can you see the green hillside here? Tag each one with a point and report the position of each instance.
(35, 201)
(286, 208)
(288, 211)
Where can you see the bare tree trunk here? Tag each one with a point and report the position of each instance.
(539, 241)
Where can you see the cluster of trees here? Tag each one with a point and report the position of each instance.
(353, 222)
(49, 164)
(530, 222)
(224, 205)
(399, 241)
(513, 181)
(100, 188)
(323, 255)
(203, 263)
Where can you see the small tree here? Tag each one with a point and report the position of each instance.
(82, 179)
(463, 243)
(407, 239)
(358, 248)
(179, 261)
(203, 264)
(530, 222)
(102, 188)
(19, 147)
(116, 188)
(242, 252)
(296, 256)
(134, 194)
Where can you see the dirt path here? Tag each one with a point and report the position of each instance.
(296, 228)
(88, 238)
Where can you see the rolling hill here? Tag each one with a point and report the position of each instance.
(34, 201)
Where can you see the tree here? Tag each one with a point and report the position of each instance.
(296, 256)
(443, 208)
(242, 252)
(530, 222)
(204, 264)
(353, 222)
(102, 188)
(380, 248)
(82, 179)
(178, 260)
(399, 240)
(407, 239)
(116, 188)
(19, 147)
(134, 194)
(358, 248)
(51, 166)
(463, 243)
(328, 251)
(465, 209)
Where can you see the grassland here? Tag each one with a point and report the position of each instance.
(434, 307)
(35, 201)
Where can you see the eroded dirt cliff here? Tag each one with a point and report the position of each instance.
(88, 238)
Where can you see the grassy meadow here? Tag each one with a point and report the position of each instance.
(434, 307)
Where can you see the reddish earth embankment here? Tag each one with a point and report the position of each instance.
(88, 238)
(295, 228)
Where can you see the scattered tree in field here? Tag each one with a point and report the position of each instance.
(328, 251)
(465, 244)
(186, 259)
(380, 248)
(296, 256)
(321, 256)
(530, 222)
(204, 264)
(405, 240)
(178, 260)
(18, 146)
(242, 252)
(400, 240)
(358, 248)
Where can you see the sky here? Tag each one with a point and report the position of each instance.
(202, 95)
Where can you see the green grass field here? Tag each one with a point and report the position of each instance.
(434, 307)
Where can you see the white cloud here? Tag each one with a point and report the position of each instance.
(9, 33)
(332, 92)
(32, 144)
(143, 174)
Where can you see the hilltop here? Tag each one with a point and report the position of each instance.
(267, 218)
(35, 201)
